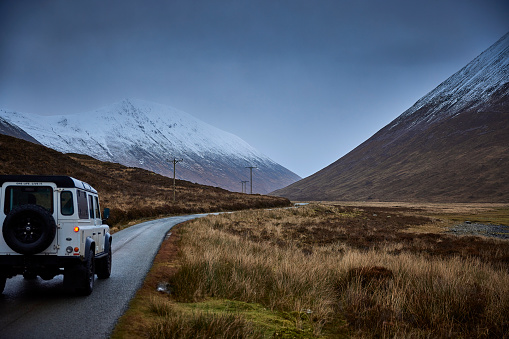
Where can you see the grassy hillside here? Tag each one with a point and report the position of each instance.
(130, 193)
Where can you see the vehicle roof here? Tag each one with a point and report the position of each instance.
(61, 181)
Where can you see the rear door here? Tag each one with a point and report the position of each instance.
(43, 194)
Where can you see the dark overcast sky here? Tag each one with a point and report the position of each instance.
(302, 81)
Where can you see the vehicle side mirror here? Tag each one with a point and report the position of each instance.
(106, 214)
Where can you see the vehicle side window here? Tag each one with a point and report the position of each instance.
(91, 206)
(97, 209)
(66, 203)
(82, 205)
(28, 195)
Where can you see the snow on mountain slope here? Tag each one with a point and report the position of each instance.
(143, 134)
(468, 88)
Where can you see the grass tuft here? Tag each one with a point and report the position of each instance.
(176, 323)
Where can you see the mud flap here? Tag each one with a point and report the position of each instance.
(73, 276)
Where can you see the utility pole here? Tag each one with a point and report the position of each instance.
(251, 176)
(175, 161)
(244, 185)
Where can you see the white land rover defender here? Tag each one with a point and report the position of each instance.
(52, 225)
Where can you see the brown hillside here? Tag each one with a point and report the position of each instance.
(462, 159)
(130, 193)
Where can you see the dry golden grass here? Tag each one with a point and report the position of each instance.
(151, 315)
(310, 262)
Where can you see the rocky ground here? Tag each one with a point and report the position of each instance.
(488, 230)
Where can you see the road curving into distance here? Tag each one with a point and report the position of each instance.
(44, 309)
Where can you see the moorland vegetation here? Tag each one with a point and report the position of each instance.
(326, 271)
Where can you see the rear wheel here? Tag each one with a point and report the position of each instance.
(104, 266)
(87, 275)
(2, 283)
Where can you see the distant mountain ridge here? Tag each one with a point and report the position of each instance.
(452, 145)
(14, 131)
(143, 134)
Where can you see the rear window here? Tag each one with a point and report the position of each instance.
(66, 203)
(28, 195)
(82, 205)
(91, 206)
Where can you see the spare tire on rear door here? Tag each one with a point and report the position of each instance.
(29, 229)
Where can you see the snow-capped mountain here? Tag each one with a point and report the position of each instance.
(143, 134)
(452, 145)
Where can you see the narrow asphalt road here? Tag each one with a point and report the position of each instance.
(44, 309)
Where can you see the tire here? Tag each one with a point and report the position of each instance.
(87, 276)
(29, 229)
(2, 283)
(104, 266)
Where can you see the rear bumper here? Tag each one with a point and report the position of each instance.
(11, 265)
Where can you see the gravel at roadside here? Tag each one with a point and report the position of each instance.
(488, 230)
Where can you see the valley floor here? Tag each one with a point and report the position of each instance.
(328, 270)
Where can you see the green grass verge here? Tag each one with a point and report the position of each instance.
(497, 216)
(260, 321)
